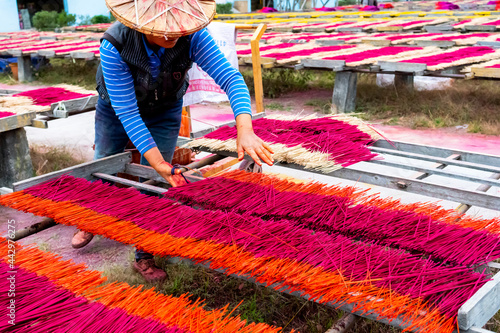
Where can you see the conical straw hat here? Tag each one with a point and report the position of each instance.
(169, 18)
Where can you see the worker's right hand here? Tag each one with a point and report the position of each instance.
(165, 170)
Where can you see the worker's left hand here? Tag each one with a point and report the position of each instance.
(254, 146)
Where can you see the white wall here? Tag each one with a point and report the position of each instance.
(86, 7)
(9, 16)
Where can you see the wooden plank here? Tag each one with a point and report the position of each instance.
(39, 123)
(64, 109)
(486, 72)
(111, 165)
(83, 55)
(314, 29)
(475, 166)
(330, 42)
(438, 43)
(389, 29)
(393, 66)
(47, 53)
(137, 185)
(483, 305)
(438, 28)
(346, 29)
(337, 65)
(376, 42)
(480, 28)
(466, 156)
(494, 45)
(18, 121)
(257, 70)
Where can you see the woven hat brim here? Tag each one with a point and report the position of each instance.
(172, 19)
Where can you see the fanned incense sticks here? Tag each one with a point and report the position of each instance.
(40, 100)
(414, 232)
(324, 144)
(66, 297)
(327, 267)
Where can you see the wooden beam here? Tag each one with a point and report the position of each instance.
(17, 121)
(111, 165)
(257, 70)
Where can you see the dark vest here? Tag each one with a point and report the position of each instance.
(173, 80)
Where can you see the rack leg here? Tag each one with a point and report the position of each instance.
(404, 81)
(33, 229)
(344, 92)
(15, 159)
(343, 324)
(25, 71)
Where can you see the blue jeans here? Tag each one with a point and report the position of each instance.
(163, 121)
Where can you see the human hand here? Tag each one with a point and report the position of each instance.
(254, 146)
(165, 170)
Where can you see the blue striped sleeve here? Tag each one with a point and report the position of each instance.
(120, 86)
(207, 55)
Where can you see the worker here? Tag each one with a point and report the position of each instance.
(141, 82)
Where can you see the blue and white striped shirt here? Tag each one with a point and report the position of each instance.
(120, 84)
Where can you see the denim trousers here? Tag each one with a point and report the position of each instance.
(162, 120)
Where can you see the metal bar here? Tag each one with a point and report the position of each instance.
(440, 152)
(422, 175)
(421, 157)
(140, 186)
(112, 164)
(436, 171)
(462, 208)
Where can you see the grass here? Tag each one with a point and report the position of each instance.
(474, 103)
(258, 304)
(277, 106)
(48, 159)
(80, 73)
(320, 105)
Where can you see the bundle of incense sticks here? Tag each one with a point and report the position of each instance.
(6, 114)
(40, 100)
(324, 144)
(54, 295)
(328, 266)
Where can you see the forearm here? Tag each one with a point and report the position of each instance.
(154, 157)
(244, 123)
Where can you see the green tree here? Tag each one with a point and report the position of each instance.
(45, 20)
(64, 19)
(100, 19)
(224, 8)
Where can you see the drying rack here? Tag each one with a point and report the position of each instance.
(473, 315)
